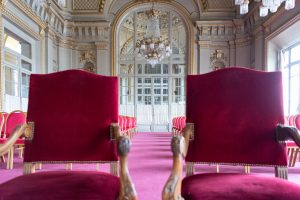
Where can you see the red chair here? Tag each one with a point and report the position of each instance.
(3, 116)
(291, 120)
(232, 119)
(297, 121)
(292, 149)
(72, 118)
(13, 119)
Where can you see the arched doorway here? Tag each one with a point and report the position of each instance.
(153, 94)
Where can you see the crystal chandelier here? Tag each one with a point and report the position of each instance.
(153, 47)
(265, 6)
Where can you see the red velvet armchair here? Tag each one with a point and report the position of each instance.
(234, 117)
(72, 118)
(13, 119)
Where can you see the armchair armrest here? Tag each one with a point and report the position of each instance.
(127, 191)
(179, 146)
(19, 131)
(283, 133)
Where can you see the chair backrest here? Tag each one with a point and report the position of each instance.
(72, 112)
(13, 119)
(291, 120)
(235, 112)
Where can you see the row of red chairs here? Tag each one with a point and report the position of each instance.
(293, 149)
(293, 120)
(178, 124)
(128, 125)
(8, 122)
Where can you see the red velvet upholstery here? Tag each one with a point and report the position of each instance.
(235, 112)
(237, 187)
(73, 185)
(297, 121)
(72, 111)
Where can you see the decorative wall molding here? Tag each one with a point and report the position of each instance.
(104, 45)
(224, 30)
(92, 31)
(101, 6)
(9, 15)
(30, 13)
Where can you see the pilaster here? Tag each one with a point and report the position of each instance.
(103, 58)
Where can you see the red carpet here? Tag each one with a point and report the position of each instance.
(149, 164)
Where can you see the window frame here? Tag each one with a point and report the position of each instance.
(288, 66)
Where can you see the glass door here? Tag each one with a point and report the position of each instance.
(144, 103)
(152, 103)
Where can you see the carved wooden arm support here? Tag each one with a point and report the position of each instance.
(24, 130)
(284, 133)
(179, 146)
(127, 188)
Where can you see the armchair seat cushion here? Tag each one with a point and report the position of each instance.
(62, 185)
(238, 186)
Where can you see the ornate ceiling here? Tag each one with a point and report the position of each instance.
(217, 5)
(83, 5)
(91, 10)
(224, 6)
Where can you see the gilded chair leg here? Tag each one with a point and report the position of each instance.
(20, 150)
(281, 172)
(114, 169)
(69, 166)
(295, 157)
(38, 166)
(29, 168)
(247, 169)
(2, 158)
(10, 158)
(190, 169)
(291, 156)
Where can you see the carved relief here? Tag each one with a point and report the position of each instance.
(90, 67)
(88, 61)
(217, 59)
(87, 56)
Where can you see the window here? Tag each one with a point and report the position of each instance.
(290, 64)
(17, 68)
(154, 94)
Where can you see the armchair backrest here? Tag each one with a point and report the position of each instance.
(235, 112)
(72, 112)
(13, 119)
